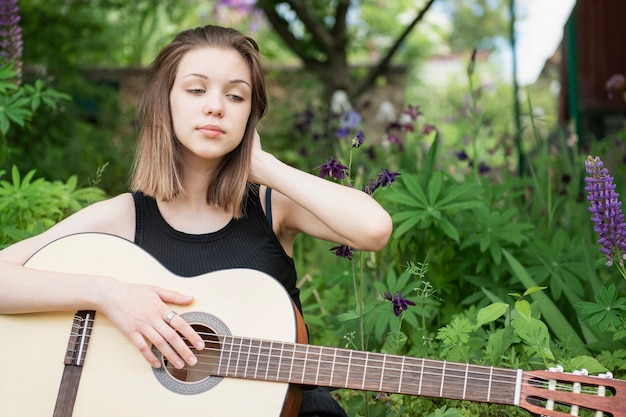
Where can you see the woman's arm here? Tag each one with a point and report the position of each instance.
(138, 311)
(321, 208)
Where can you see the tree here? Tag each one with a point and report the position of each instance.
(319, 34)
(481, 23)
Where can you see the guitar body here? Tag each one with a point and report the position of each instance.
(116, 380)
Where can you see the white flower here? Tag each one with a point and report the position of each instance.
(340, 103)
(386, 113)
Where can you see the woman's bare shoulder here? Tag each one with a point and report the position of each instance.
(113, 216)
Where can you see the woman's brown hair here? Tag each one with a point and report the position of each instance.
(156, 169)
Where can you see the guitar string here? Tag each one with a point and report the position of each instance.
(425, 364)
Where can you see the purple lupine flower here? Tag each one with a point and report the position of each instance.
(333, 169)
(607, 216)
(11, 36)
(400, 303)
(343, 251)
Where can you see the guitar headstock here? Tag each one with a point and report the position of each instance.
(555, 393)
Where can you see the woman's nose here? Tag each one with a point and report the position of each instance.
(213, 105)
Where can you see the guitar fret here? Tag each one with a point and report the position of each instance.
(382, 375)
(280, 361)
(443, 376)
(249, 353)
(401, 373)
(419, 390)
(267, 364)
(341, 368)
(364, 370)
(293, 359)
(465, 381)
(256, 362)
(230, 353)
(348, 370)
(490, 380)
(317, 373)
(306, 358)
(332, 369)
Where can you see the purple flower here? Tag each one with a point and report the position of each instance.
(386, 177)
(333, 169)
(462, 155)
(358, 139)
(348, 121)
(383, 179)
(400, 303)
(343, 251)
(370, 187)
(428, 128)
(11, 36)
(342, 133)
(413, 112)
(607, 215)
(394, 139)
(483, 168)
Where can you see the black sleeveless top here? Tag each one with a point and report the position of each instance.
(248, 242)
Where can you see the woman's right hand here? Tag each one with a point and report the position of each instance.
(140, 312)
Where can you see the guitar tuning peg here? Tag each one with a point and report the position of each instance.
(583, 372)
(607, 375)
(557, 368)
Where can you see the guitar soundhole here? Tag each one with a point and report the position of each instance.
(208, 359)
(200, 377)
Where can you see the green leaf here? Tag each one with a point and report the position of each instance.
(524, 309)
(491, 313)
(558, 323)
(533, 290)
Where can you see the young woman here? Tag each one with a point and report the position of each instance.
(205, 196)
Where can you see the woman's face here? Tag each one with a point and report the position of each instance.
(210, 102)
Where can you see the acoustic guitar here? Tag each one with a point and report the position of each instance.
(77, 364)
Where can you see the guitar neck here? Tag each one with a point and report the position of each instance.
(345, 368)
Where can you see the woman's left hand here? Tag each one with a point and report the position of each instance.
(257, 157)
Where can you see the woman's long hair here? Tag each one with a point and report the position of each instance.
(156, 169)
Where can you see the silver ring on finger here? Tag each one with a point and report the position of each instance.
(170, 316)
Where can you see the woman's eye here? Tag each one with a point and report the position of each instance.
(235, 97)
(195, 91)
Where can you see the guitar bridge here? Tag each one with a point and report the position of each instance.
(79, 337)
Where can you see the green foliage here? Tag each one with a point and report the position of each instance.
(431, 205)
(29, 206)
(19, 102)
(607, 310)
(509, 261)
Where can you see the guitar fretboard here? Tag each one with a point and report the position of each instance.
(345, 368)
